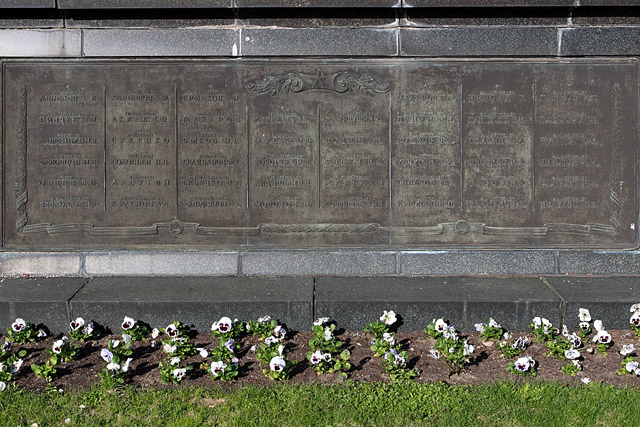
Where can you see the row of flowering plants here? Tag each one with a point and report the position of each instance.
(325, 352)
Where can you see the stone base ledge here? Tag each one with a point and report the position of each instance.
(297, 301)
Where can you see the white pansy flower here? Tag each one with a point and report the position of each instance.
(128, 323)
(270, 340)
(603, 337)
(584, 326)
(223, 325)
(155, 332)
(126, 338)
(3, 385)
(280, 349)
(41, 334)
(575, 340)
(57, 346)
(279, 332)
(264, 319)
(3, 367)
(635, 319)
(598, 325)
(88, 330)
(572, 354)
(537, 322)
(450, 333)
(174, 361)
(204, 353)
(321, 321)
(434, 353)
(327, 357)
(328, 335)
(387, 337)
(316, 357)
(627, 349)
(493, 323)
(277, 364)
(77, 324)
(480, 327)
(115, 343)
(565, 331)
(467, 348)
(635, 307)
(172, 330)
(388, 317)
(168, 348)
(441, 325)
(584, 315)
(218, 368)
(16, 366)
(523, 364)
(7, 346)
(586, 380)
(18, 325)
(179, 373)
(545, 323)
(106, 355)
(507, 336)
(125, 366)
(631, 366)
(113, 367)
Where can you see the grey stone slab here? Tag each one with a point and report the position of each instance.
(161, 42)
(38, 300)
(8, 22)
(586, 3)
(444, 263)
(154, 18)
(40, 42)
(486, 16)
(606, 298)
(142, 4)
(27, 4)
(352, 263)
(195, 301)
(486, 3)
(598, 16)
(599, 262)
(40, 264)
(479, 41)
(316, 17)
(463, 301)
(161, 263)
(318, 3)
(591, 41)
(331, 41)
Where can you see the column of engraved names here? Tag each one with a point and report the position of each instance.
(426, 148)
(66, 152)
(497, 147)
(354, 157)
(573, 140)
(283, 160)
(141, 150)
(212, 151)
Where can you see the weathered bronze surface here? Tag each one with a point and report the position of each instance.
(403, 153)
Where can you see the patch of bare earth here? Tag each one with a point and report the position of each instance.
(487, 365)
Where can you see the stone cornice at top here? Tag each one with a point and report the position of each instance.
(229, 4)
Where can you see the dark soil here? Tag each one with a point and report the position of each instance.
(487, 365)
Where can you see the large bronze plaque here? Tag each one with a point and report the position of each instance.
(333, 153)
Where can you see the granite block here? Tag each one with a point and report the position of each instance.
(142, 4)
(446, 263)
(592, 41)
(161, 42)
(38, 300)
(479, 41)
(40, 42)
(463, 301)
(318, 3)
(598, 16)
(10, 22)
(606, 298)
(168, 18)
(27, 4)
(197, 301)
(487, 3)
(301, 263)
(599, 262)
(161, 263)
(331, 41)
(40, 264)
(509, 16)
(313, 18)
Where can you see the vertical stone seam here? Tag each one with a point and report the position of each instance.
(82, 271)
(239, 271)
(562, 300)
(556, 262)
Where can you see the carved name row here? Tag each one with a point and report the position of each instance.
(320, 153)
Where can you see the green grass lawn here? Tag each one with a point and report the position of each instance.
(408, 403)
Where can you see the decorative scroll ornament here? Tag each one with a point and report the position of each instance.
(344, 81)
